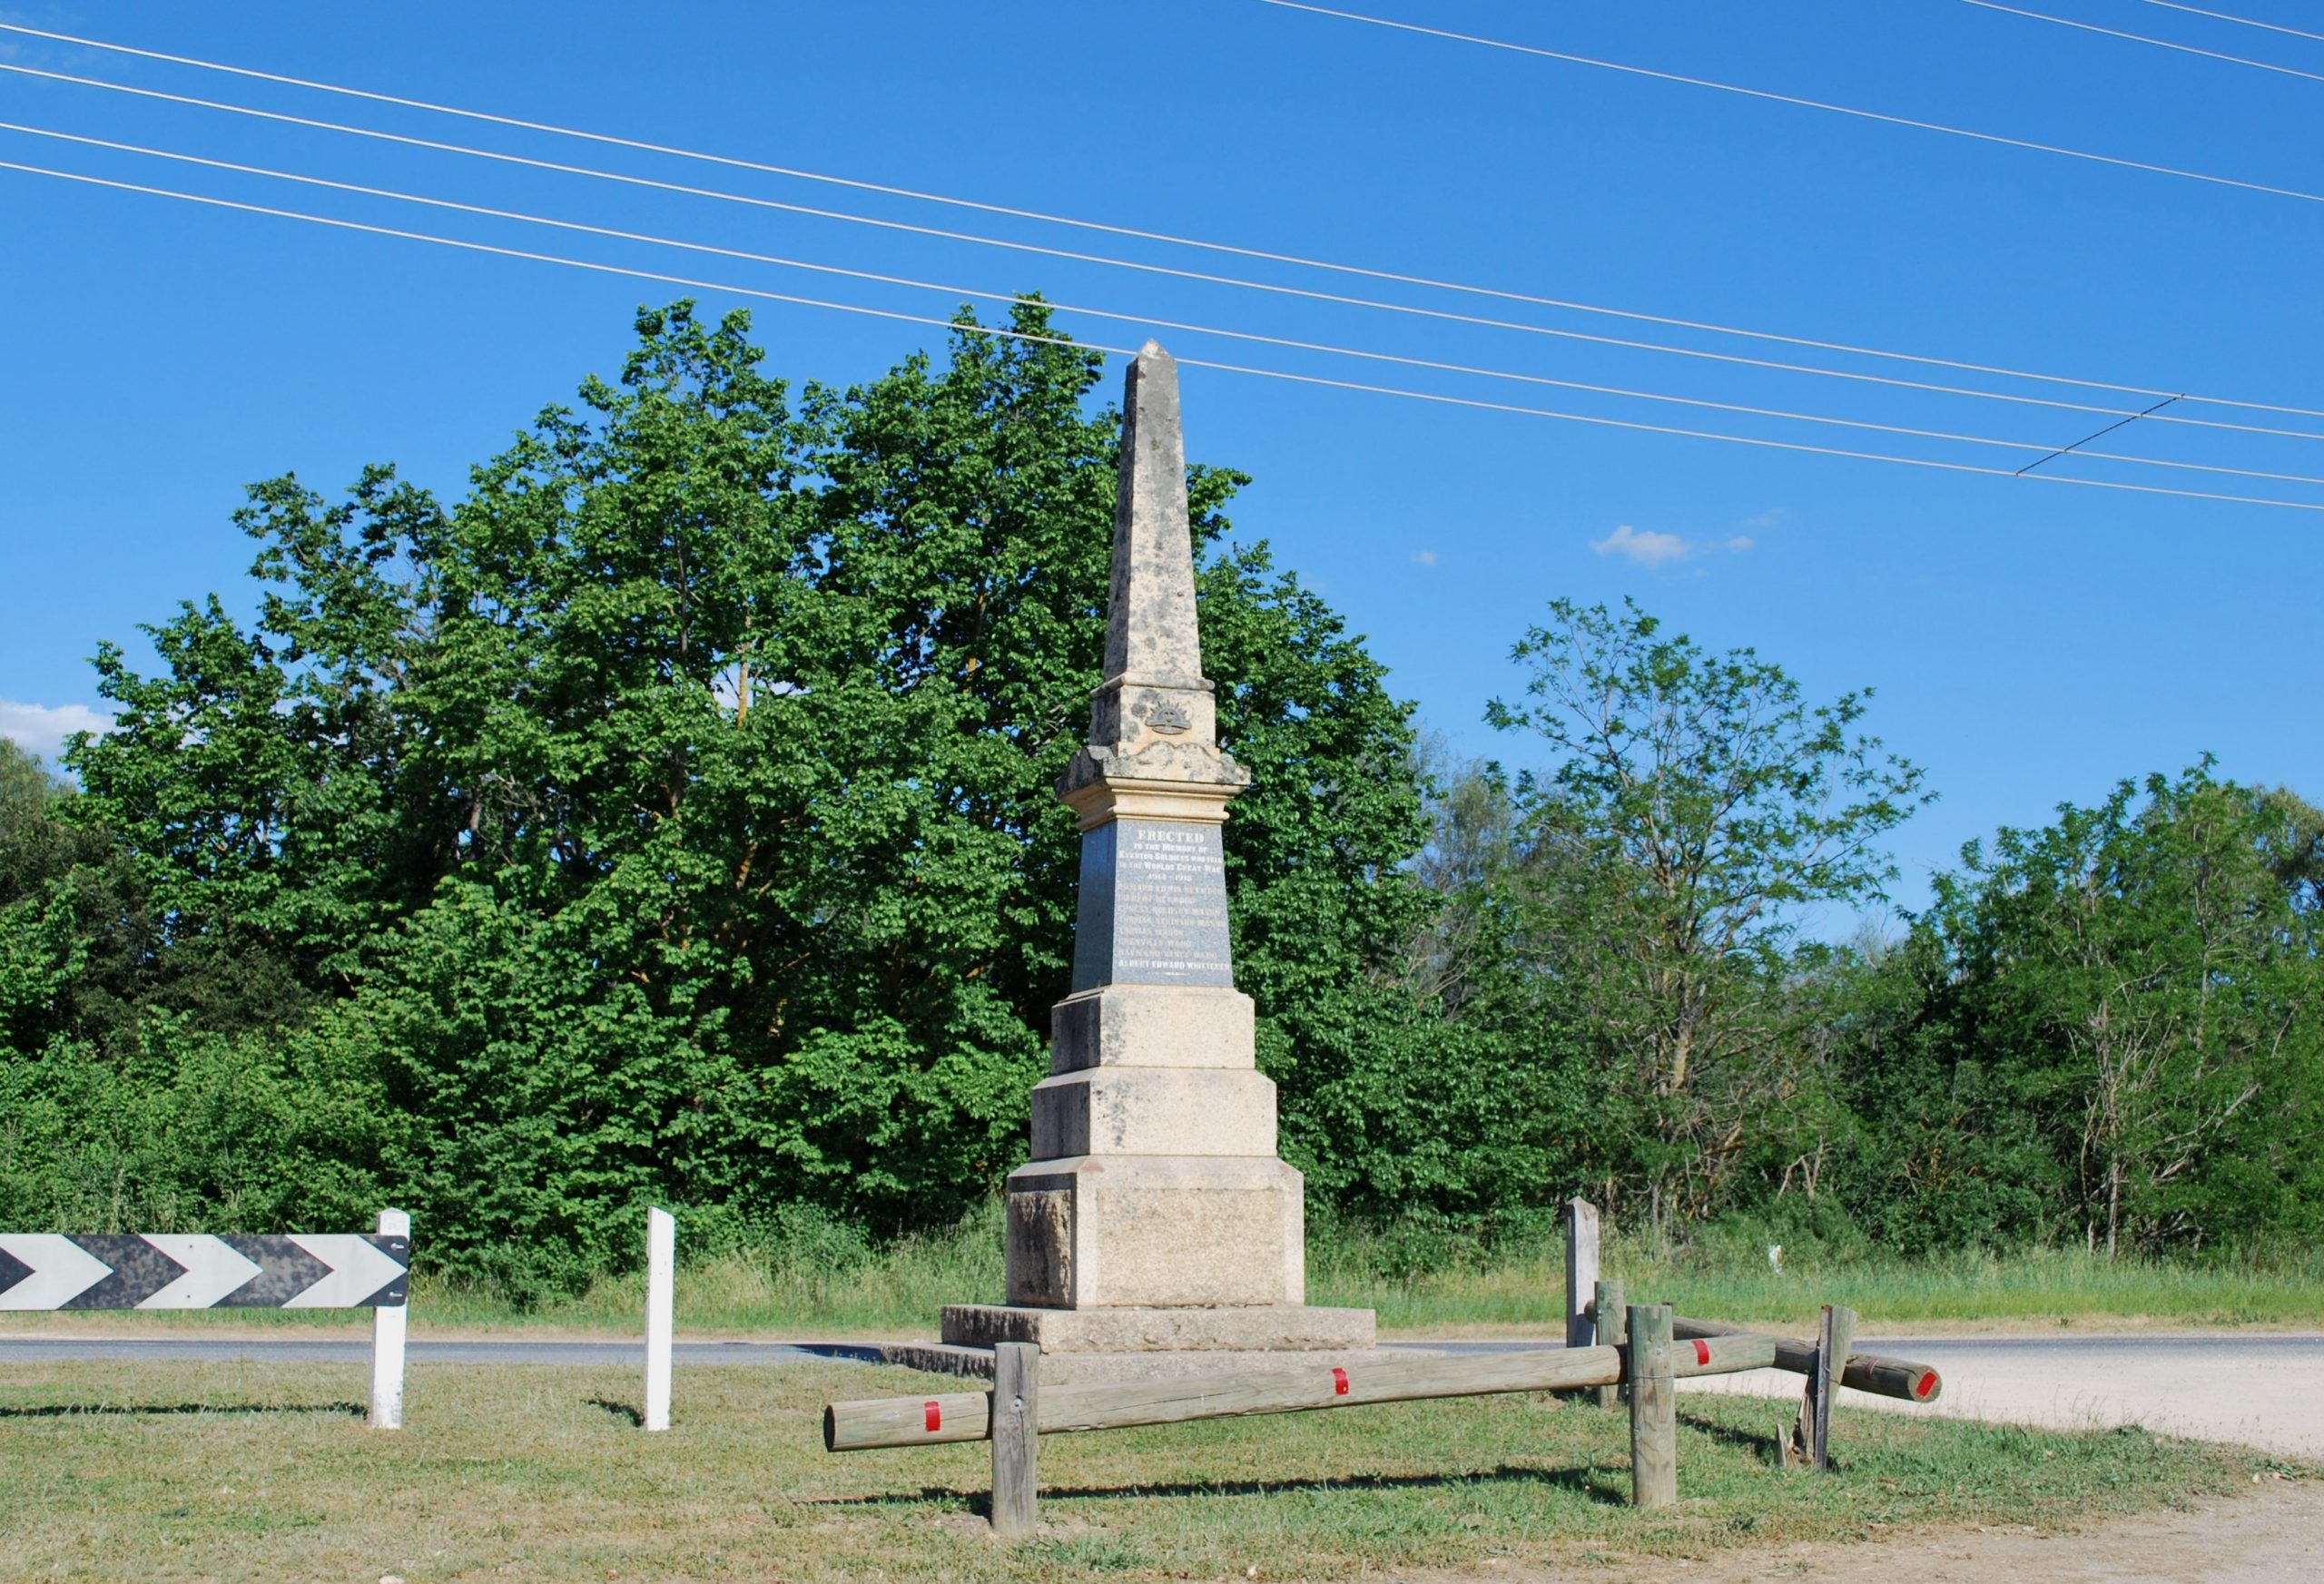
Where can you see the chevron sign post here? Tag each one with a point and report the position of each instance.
(170, 1270)
(182, 1270)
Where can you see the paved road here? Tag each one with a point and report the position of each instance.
(2262, 1390)
(301, 1351)
(2266, 1390)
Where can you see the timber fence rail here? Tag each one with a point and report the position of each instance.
(1064, 1410)
(1587, 1296)
(1635, 1351)
(1018, 1411)
(183, 1270)
(1595, 1313)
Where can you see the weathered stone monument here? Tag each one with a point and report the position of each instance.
(1153, 1228)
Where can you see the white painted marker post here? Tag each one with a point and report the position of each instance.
(661, 1256)
(387, 1329)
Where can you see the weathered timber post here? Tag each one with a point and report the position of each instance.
(1612, 1330)
(1811, 1436)
(1581, 1272)
(1654, 1407)
(1016, 1438)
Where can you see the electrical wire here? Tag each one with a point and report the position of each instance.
(1311, 379)
(1806, 104)
(1583, 336)
(2240, 21)
(1435, 365)
(2184, 49)
(1130, 231)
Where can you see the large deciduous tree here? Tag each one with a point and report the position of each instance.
(1696, 804)
(2141, 979)
(673, 812)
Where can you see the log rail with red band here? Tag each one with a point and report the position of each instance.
(915, 1422)
(1876, 1373)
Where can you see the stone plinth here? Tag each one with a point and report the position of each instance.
(1148, 1230)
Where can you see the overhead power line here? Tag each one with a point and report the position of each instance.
(2184, 49)
(2239, 21)
(1702, 354)
(1804, 103)
(1320, 381)
(1297, 261)
(1286, 343)
(2109, 428)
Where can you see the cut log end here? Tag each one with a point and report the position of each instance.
(1926, 1387)
(831, 1429)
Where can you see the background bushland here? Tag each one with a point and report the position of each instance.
(670, 817)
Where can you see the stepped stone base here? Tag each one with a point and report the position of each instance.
(1074, 1369)
(1268, 1329)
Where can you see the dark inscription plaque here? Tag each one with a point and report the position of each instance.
(1153, 906)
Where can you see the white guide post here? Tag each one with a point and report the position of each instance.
(389, 1325)
(661, 1258)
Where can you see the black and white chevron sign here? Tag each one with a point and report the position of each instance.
(161, 1270)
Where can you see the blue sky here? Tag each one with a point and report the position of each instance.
(2029, 642)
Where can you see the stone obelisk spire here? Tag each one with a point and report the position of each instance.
(1154, 1215)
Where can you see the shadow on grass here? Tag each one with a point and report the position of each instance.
(1592, 1483)
(77, 1410)
(619, 1410)
(1766, 1449)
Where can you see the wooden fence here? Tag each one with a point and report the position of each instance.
(1613, 1350)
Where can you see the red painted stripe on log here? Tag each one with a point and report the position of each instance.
(1702, 1352)
(935, 1416)
(1925, 1384)
(1339, 1383)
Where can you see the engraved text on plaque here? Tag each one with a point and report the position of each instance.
(1153, 906)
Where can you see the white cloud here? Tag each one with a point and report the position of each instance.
(42, 728)
(1424, 557)
(1649, 547)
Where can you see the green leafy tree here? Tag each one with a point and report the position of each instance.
(1696, 803)
(2143, 978)
(42, 948)
(675, 812)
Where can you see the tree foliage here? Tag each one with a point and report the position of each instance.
(672, 816)
(1696, 804)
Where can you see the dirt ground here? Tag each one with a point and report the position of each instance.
(2273, 1536)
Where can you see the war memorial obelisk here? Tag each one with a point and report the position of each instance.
(1153, 1228)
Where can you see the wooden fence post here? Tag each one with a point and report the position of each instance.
(1015, 1419)
(1811, 1436)
(389, 1322)
(1580, 1271)
(1654, 1407)
(1613, 1331)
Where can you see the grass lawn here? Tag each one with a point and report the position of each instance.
(2020, 1290)
(254, 1472)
